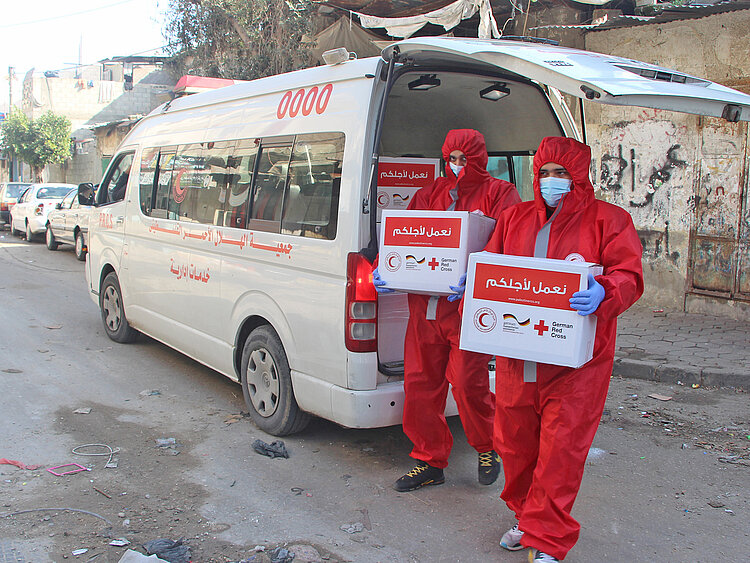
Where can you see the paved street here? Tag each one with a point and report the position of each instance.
(667, 479)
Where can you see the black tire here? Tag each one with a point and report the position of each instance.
(13, 231)
(80, 247)
(29, 234)
(267, 384)
(113, 313)
(49, 238)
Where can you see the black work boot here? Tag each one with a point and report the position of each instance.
(489, 467)
(422, 474)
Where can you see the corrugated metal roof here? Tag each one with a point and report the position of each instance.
(669, 13)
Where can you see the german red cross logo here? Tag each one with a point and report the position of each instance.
(433, 264)
(541, 328)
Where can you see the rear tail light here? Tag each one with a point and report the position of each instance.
(39, 209)
(3, 206)
(361, 323)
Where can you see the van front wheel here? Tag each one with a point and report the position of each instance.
(113, 312)
(267, 384)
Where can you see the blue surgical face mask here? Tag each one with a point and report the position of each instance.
(553, 189)
(456, 168)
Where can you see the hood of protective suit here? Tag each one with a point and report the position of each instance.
(576, 158)
(471, 143)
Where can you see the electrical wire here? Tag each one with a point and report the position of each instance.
(54, 18)
(110, 452)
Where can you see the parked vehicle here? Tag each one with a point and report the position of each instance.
(237, 243)
(68, 223)
(30, 213)
(9, 194)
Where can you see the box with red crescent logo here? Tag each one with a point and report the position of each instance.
(427, 251)
(518, 307)
(400, 178)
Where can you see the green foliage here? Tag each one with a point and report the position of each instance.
(37, 142)
(239, 39)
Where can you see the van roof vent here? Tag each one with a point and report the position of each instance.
(664, 75)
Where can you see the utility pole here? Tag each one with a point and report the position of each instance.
(11, 157)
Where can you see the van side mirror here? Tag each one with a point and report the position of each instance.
(86, 193)
(58, 206)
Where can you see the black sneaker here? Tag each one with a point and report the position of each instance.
(489, 467)
(422, 474)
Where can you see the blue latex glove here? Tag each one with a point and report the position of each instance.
(459, 289)
(380, 285)
(588, 300)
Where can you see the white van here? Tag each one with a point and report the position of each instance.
(238, 226)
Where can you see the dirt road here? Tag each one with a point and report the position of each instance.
(667, 480)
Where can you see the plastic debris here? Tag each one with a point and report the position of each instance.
(172, 551)
(21, 465)
(78, 469)
(80, 551)
(83, 410)
(659, 397)
(12, 370)
(119, 542)
(272, 450)
(165, 442)
(352, 528)
(695, 385)
(131, 556)
(281, 555)
(149, 392)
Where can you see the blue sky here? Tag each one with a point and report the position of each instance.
(46, 34)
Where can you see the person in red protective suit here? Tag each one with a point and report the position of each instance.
(546, 416)
(432, 359)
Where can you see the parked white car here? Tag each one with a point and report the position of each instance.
(30, 213)
(68, 223)
(9, 194)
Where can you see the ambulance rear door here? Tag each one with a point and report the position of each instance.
(602, 78)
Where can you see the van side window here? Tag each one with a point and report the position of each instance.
(149, 159)
(240, 167)
(115, 183)
(311, 205)
(164, 205)
(268, 191)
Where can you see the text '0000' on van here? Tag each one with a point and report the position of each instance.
(239, 225)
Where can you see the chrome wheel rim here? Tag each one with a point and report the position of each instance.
(79, 245)
(263, 382)
(111, 308)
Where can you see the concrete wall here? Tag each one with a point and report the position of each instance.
(682, 178)
(87, 101)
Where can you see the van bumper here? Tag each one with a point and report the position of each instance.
(382, 406)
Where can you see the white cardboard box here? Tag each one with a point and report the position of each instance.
(400, 178)
(427, 251)
(518, 307)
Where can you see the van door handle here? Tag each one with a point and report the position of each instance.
(119, 219)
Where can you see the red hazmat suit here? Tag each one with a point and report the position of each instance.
(432, 358)
(543, 430)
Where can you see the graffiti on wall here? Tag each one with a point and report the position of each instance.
(656, 244)
(645, 167)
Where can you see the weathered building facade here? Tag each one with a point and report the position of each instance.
(111, 91)
(683, 178)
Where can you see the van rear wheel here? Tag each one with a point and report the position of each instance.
(267, 384)
(113, 312)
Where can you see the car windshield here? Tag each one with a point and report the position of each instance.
(52, 192)
(15, 190)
